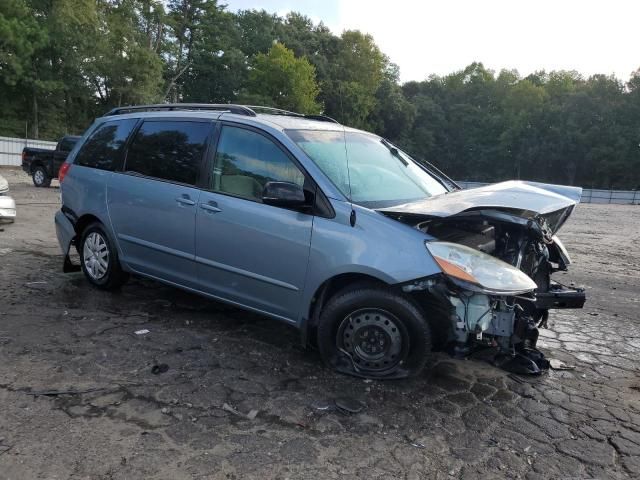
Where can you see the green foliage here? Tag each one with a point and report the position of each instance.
(281, 80)
(64, 62)
(356, 72)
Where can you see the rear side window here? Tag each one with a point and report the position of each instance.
(246, 161)
(170, 150)
(103, 149)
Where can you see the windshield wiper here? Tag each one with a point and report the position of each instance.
(394, 151)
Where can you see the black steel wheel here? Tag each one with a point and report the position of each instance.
(375, 339)
(371, 331)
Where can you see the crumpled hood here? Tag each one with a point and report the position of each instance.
(528, 199)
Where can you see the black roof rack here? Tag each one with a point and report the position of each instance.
(279, 111)
(321, 118)
(221, 107)
(274, 111)
(248, 110)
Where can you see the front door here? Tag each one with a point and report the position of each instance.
(152, 204)
(247, 252)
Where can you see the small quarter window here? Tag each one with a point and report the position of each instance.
(169, 150)
(103, 149)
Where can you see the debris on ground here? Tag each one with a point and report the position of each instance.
(144, 331)
(322, 405)
(559, 365)
(55, 393)
(249, 416)
(349, 405)
(158, 369)
(414, 443)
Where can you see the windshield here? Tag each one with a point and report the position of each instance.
(380, 175)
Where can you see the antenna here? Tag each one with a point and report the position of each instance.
(352, 215)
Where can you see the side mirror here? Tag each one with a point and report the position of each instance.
(283, 194)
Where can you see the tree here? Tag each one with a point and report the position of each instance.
(219, 67)
(185, 20)
(281, 80)
(64, 62)
(125, 68)
(355, 76)
(20, 37)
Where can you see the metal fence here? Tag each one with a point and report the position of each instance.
(589, 195)
(11, 149)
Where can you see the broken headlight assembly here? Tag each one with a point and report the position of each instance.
(478, 272)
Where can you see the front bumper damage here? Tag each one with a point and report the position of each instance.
(464, 321)
(515, 222)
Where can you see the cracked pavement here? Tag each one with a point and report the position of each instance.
(460, 419)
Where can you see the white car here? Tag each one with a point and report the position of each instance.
(7, 204)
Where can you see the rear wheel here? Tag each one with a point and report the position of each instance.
(99, 259)
(40, 177)
(372, 332)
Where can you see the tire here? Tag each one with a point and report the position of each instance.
(40, 177)
(99, 259)
(393, 338)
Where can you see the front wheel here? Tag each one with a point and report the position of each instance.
(40, 177)
(99, 259)
(373, 332)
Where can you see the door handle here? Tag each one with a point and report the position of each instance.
(185, 200)
(211, 207)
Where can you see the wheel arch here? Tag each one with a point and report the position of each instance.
(326, 290)
(35, 163)
(84, 221)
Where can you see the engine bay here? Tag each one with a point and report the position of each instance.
(510, 324)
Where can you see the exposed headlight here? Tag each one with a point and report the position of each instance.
(478, 270)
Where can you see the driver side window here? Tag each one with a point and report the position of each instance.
(245, 161)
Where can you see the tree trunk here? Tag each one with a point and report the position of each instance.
(36, 129)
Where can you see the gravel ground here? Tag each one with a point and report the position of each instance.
(460, 419)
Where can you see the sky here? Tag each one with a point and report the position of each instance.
(427, 37)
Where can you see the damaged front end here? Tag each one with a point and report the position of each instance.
(497, 249)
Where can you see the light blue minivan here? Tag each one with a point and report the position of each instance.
(377, 258)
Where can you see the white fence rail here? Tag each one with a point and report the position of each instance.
(590, 195)
(11, 149)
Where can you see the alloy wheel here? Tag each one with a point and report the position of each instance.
(95, 253)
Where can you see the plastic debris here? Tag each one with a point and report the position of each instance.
(249, 416)
(322, 405)
(349, 405)
(558, 365)
(158, 369)
(414, 443)
(144, 331)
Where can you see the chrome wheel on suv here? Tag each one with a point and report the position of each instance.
(95, 253)
(99, 258)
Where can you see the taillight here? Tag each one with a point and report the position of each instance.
(64, 168)
(24, 155)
